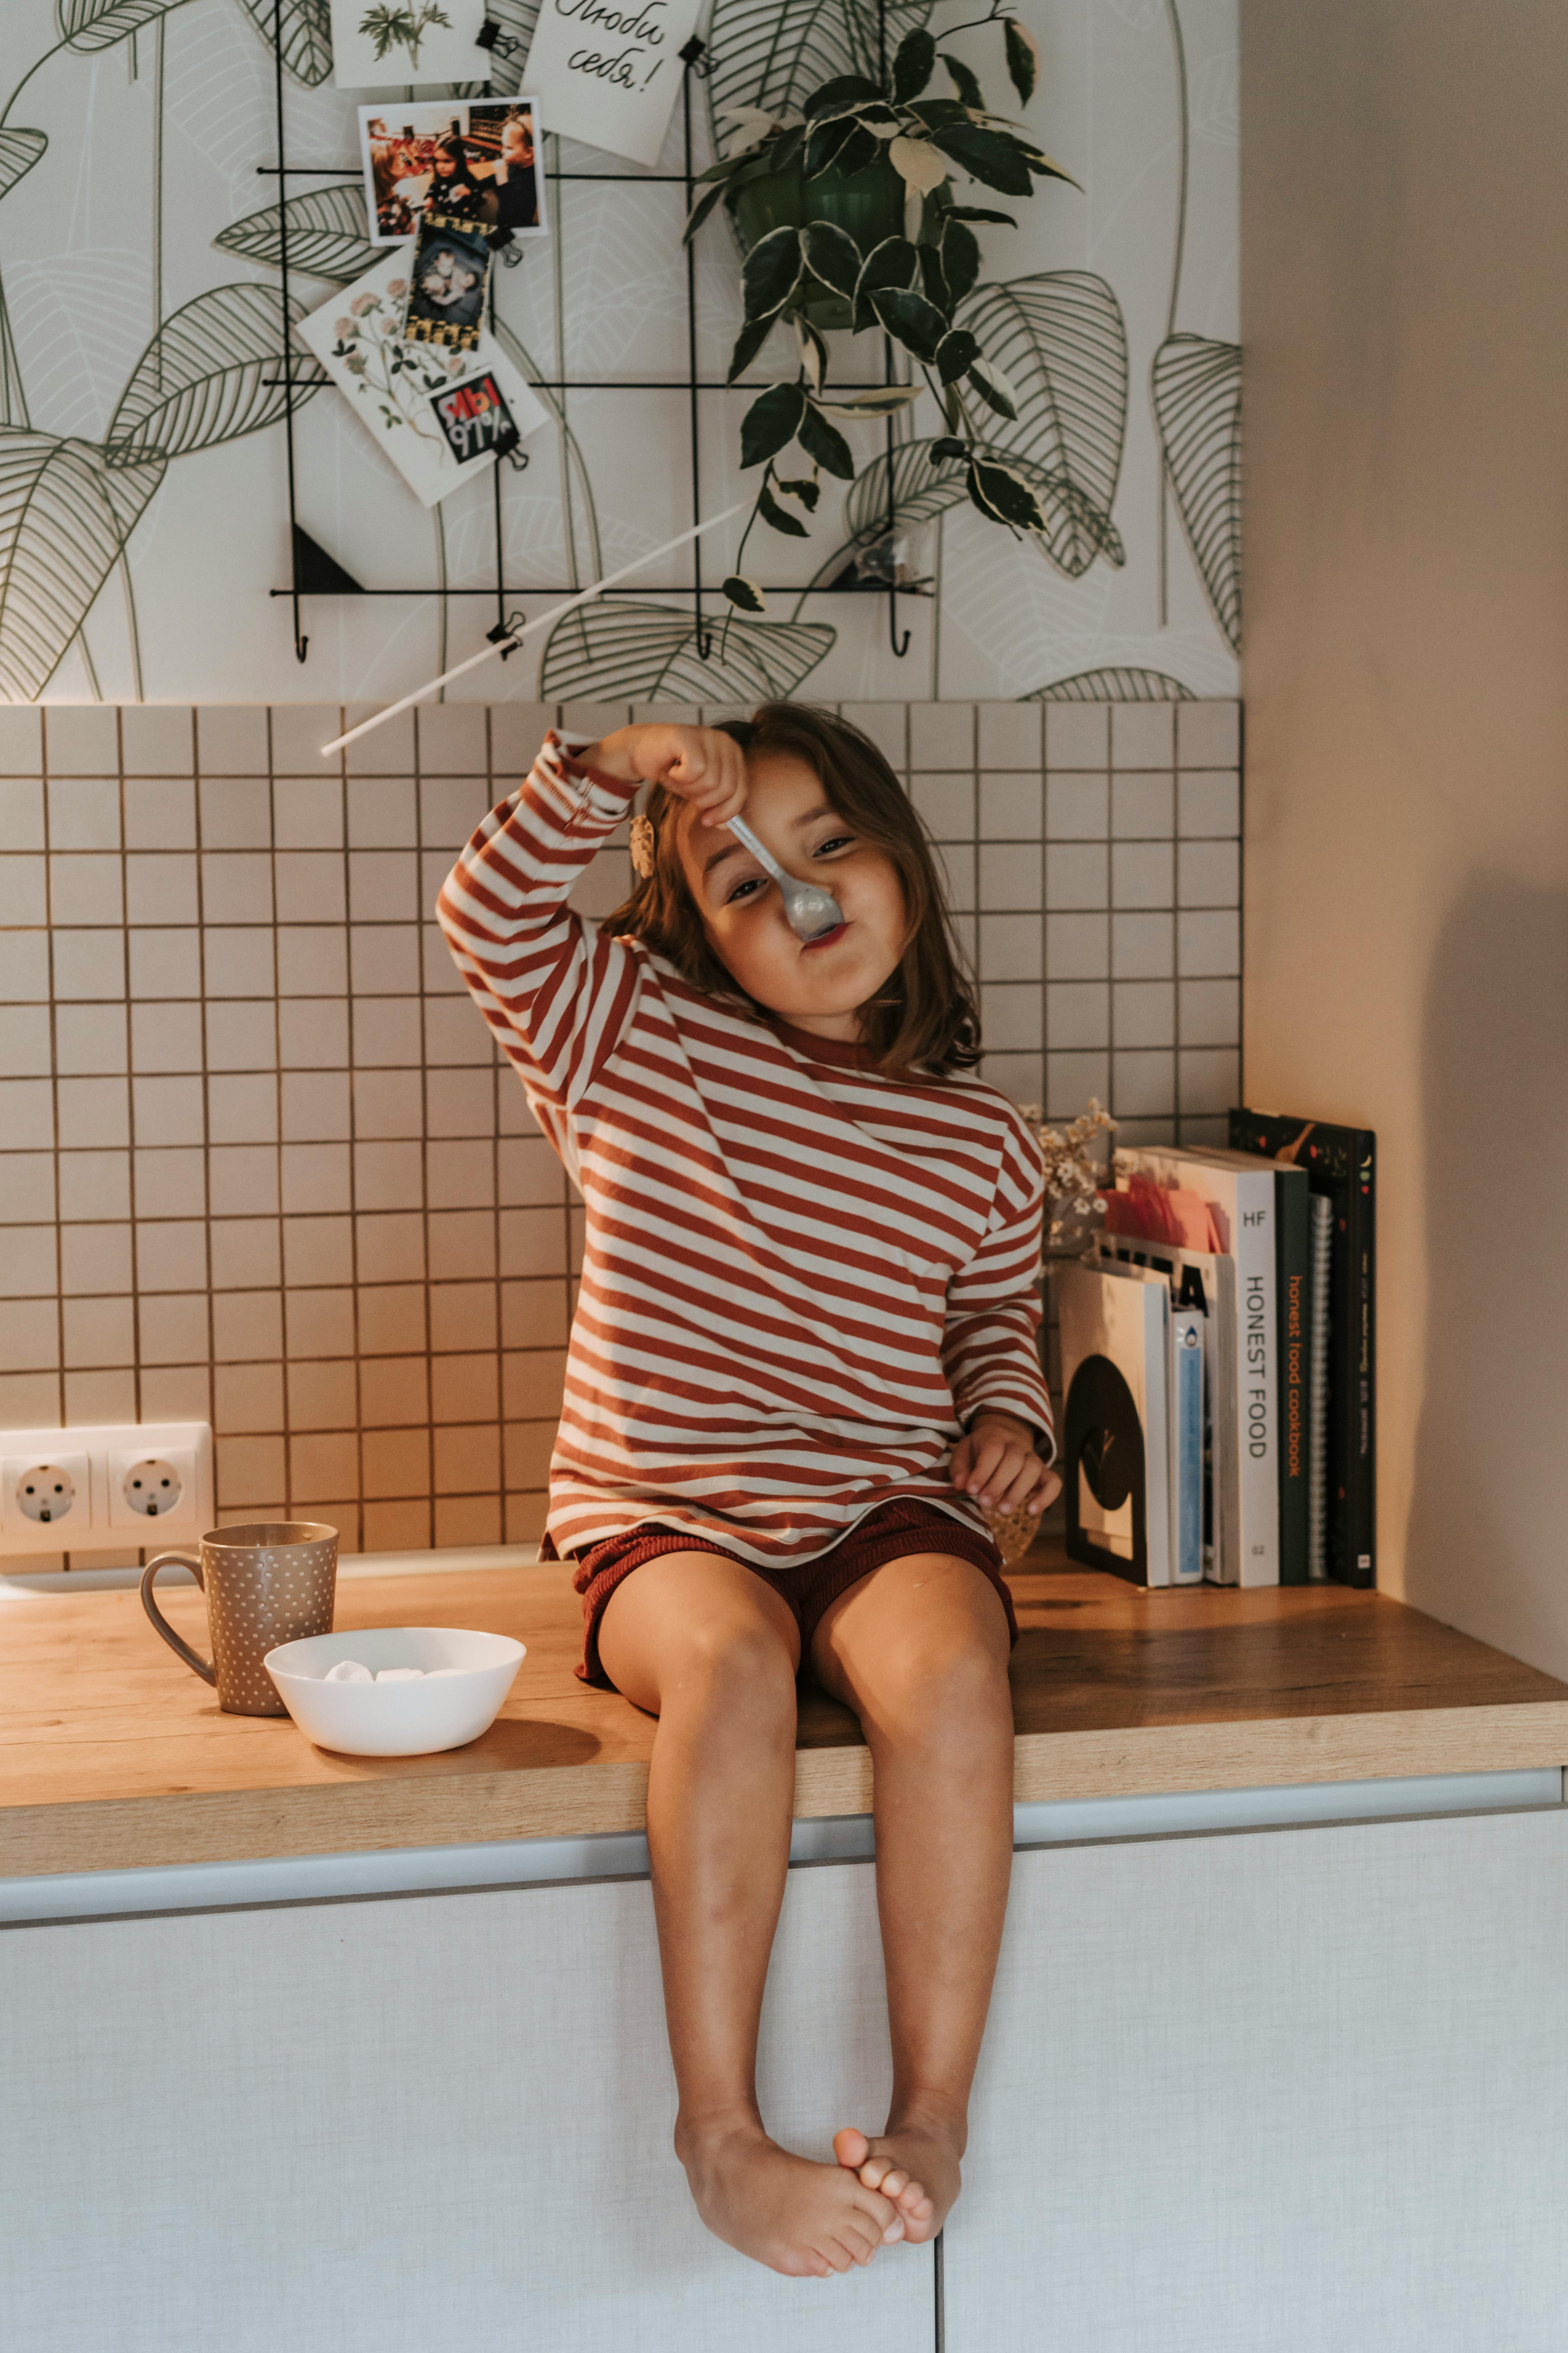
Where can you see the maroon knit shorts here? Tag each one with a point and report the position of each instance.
(810, 1588)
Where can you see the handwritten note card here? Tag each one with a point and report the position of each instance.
(608, 71)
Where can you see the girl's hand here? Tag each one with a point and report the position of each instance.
(701, 764)
(996, 1464)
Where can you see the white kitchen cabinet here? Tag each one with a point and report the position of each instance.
(1302, 2090)
(426, 2125)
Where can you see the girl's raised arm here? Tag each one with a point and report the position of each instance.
(990, 1345)
(557, 992)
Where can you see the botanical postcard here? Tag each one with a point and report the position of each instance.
(400, 390)
(382, 44)
(477, 162)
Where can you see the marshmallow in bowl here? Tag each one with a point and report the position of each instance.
(349, 1670)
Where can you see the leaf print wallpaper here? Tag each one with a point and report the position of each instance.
(145, 462)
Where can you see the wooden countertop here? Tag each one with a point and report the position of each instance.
(114, 1755)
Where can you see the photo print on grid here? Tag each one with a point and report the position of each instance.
(477, 162)
(446, 281)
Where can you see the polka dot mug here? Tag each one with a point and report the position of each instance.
(268, 1582)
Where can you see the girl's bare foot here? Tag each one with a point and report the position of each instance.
(915, 2164)
(799, 2218)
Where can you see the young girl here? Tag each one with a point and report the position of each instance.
(802, 1367)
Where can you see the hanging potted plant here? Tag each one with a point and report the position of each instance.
(846, 218)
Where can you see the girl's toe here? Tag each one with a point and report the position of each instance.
(851, 2147)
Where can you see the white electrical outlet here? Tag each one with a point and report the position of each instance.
(47, 1494)
(81, 1491)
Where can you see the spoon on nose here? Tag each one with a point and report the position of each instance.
(809, 909)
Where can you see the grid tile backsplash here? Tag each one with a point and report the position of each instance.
(260, 1165)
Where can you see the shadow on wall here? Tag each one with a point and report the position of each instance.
(1489, 1513)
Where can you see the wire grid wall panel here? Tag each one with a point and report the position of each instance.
(260, 1163)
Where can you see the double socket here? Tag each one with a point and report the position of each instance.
(95, 1489)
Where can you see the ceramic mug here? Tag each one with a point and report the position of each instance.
(273, 1581)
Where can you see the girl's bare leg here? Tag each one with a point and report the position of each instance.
(712, 1652)
(919, 1649)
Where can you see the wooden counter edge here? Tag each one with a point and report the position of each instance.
(575, 1801)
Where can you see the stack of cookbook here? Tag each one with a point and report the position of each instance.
(1216, 1354)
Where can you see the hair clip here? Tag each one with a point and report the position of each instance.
(644, 844)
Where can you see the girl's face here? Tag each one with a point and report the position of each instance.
(446, 165)
(822, 986)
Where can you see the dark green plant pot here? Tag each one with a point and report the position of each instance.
(869, 205)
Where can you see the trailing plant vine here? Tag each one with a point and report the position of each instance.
(908, 286)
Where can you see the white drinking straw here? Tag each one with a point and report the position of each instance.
(504, 645)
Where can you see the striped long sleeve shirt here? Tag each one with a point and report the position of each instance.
(801, 1280)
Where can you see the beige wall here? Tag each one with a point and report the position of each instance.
(1405, 319)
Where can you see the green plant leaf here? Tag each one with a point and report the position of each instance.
(914, 65)
(700, 210)
(932, 110)
(1046, 168)
(654, 653)
(980, 213)
(778, 53)
(744, 594)
(748, 343)
(770, 423)
(894, 263)
(812, 346)
(832, 255)
(1000, 491)
(19, 151)
(212, 373)
(802, 488)
(960, 257)
(1115, 683)
(947, 447)
(65, 517)
(954, 354)
(825, 445)
(993, 388)
(827, 143)
(86, 24)
(987, 155)
(844, 90)
(911, 320)
(1023, 58)
(771, 273)
(1196, 386)
(882, 400)
(326, 235)
(779, 517)
(862, 147)
(307, 37)
(933, 281)
(1059, 338)
(964, 82)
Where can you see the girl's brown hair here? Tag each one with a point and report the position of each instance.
(925, 1018)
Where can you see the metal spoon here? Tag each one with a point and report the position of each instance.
(809, 909)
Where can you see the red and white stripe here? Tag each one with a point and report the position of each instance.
(801, 1280)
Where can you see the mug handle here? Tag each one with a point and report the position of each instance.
(176, 1642)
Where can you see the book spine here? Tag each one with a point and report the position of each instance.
(1187, 1444)
(1361, 1501)
(1292, 1263)
(1252, 1245)
(1317, 1417)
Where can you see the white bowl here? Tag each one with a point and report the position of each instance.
(411, 1719)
